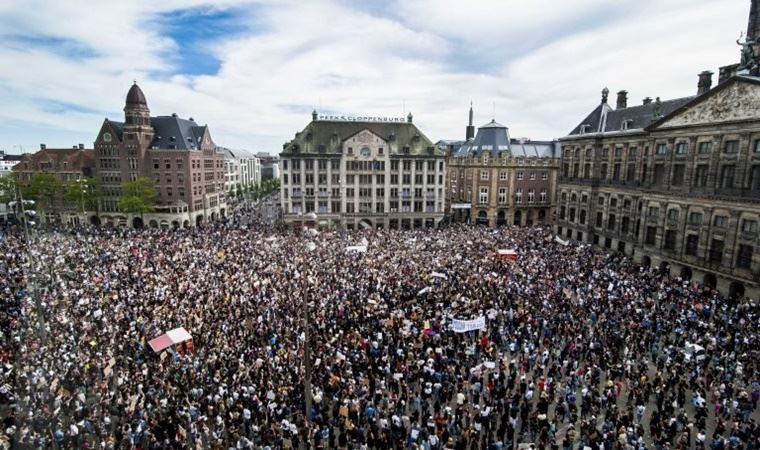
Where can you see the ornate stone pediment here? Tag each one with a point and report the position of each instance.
(738, 101)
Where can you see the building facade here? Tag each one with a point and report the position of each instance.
(180, 157)
(381, 173)
(495, 180)
(674, 184)
(7, 162)
(67, 165)
(270, 166)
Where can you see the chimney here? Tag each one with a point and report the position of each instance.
(705, 82)
(81, 146)
(622, 100)
(42, 147)
(646, 101)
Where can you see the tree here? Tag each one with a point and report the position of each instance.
(44, 189)
(83, 193)
(8, 188)
(138, 196)
(239, 191)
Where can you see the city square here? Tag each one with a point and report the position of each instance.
(365, 279)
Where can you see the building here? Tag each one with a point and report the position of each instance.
(496, 180)
(240, 169)
(7, 162)
(250, 168)
(270, 166)
(674, 184)
(177, 154)
(67, 165)
(362, 172)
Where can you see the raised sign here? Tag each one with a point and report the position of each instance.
(362, 118)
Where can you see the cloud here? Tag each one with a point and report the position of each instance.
(254, 70)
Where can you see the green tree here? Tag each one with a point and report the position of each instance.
(138, 196)
(8, 188)
(44, 189)
(83, 193)
(240, 191)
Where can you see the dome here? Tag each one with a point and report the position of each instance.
(135, 96)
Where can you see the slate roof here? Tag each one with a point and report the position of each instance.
(328, 136)
(78, 159)
(494, 138)
(604, 119)
(174, 133)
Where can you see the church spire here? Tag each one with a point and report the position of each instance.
(470, 131)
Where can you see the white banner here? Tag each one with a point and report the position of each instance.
(560, 240)
(463, 326)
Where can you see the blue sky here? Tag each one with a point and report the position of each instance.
(254, 69)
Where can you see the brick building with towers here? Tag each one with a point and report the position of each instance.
(186, 166)
(674, 183)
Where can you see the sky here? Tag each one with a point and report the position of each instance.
(254, 70)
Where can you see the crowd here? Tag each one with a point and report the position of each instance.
(580, 349)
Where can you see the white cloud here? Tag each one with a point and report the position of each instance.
(431, 56)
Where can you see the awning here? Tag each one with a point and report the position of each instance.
(169, 338)
(506, 254)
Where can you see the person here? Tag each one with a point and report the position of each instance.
(561, 322)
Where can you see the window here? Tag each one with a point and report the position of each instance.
(616, 172)
(599, 219)
(705, 147)
(503, 196)
(692, 243)
(542, 196)
(695, 218)
(571, 218)
(518, 196)
(531, 195)
(700, 175)
(756, 146)
(727, 176)
(654, 212)
(562, 211)
(659, 174)
(519, 175)
(544, 176)
(744, 256)
(716, 251)
(483, 198)
(679, 170)
(720, 221)
(661, 149)
(600, 202)
(732, 146)
(670, 240)
(484, 175)
(603, 171)
(611, 222)
(613, 202)
(630, 174)
(533, 175)
(624, 224)
(582, 217)
(503, 175)
(673, 214)
(749, 226)
(682, 148)
(651, 236)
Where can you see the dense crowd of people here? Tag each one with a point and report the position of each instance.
(580, 348)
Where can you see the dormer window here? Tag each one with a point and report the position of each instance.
(626, 124)
(584, 128)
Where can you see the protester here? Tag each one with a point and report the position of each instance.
(580, 348)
